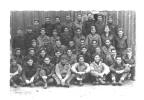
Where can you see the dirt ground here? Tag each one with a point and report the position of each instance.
(85, 91)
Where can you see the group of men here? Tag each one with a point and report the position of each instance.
(72, 52)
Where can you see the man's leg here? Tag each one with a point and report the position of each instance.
(58, 82)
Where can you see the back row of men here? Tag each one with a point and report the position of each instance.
(90, 50)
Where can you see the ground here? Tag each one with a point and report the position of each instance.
(85, 91)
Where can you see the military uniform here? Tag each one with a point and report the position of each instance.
(91, 37)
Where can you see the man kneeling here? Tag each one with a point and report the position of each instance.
(99, 70)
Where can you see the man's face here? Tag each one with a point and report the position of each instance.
(19, 32)
(110, 20)
(78, 31)
(106, 29)
(100, 18)
(84, 50)
(31, 52)
(55, 32)
(90, 16)
(58, 43)
(14, 62)
(79, 17)
(81, 59)
(36, 22)
(93, 30)
(42, 32)
(129, 53)
(107, 42)
(71, 43)
(66, 29)
(69, 52)
(47, 20)
(47, 60)
(113, 52)
(18, 52)
(118, 60)
(57, 20)
(30, 62)
(43, 53)
(68, 18)
(58, 54)
(120, 34)
(82, 42)
(29, 30)
(98, 49)
(63, 61)
(34, 44)
(97, 58)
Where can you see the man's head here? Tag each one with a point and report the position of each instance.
(110, 20)
(93, 29)
(29, 61)
(81, 59)
(69, 52)
(129, 51)
(118, 60)
(97, 58)
(99, 18)
(29, 29)
(31, 51)
(107, 29)
(68, 18)
(78, 31)
(47, 60)
(90, 16)
(66, 29)
(58, 53)
(42, 52)
(83, 49)
(98, 49)
(79, 17)
(120, 33)
(113, 52)
(107, 42)
(18, 51)
(47, 19)
(64, 59)
(54, 32)
(36, 22)
(13, 61)
(57, 19)
(82, 41)
(71, 43)
(42, 31)
(58, 43)
(19, 32)
(34, 43)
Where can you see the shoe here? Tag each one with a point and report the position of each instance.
(81, 83)
(95, 83)
(32, 85)
(102, 82)
(15, 86)
(120, 83)
(114, 83)
(45, 86)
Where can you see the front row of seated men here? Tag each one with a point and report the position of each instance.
(65, 73)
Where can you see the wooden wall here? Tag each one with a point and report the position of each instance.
(126, 19)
